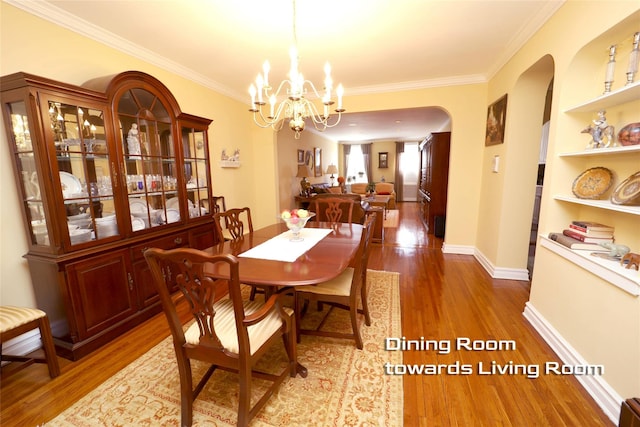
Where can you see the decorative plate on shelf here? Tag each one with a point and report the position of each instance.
(628, 192)
(592, 183)
(138, 206)
(70, 184)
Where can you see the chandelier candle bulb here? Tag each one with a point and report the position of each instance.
(252, 92)
(272, 102)
(266, 68)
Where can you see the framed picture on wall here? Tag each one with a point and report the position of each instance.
(301, 157)
(317, 167)
(383, 160)
(496, 118)
(308, 159)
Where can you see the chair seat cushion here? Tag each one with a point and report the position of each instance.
(12, 317)
(340, 285)
(225, 326)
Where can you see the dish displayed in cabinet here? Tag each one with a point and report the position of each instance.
(71, 186)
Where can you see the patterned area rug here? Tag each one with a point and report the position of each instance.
(345, 386)
(392, 219)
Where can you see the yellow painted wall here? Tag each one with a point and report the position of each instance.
(288, 146)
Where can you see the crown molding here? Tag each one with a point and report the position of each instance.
(55, 15)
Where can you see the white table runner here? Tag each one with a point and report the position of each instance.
(280, 248)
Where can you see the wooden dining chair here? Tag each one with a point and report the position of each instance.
(219, 204)
(230, 334)
(15, 321)
(344, 291)
(233, 223)
(333, 209)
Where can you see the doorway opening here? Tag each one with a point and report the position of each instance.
(409, 167)
(542, 160)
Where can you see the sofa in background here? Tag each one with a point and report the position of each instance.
(325, 188)
(381, 188)
(359, 188)
(387, 189)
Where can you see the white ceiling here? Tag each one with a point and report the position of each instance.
(374, 46)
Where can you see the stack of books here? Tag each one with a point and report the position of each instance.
(585, 235)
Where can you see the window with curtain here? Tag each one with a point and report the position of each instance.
(356, 169)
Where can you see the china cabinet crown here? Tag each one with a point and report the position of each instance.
(104, 171)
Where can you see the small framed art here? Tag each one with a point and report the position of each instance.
(383, 160)
(496, 118)
(318, 162)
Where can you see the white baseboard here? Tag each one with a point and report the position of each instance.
(603, 394)
(501, 272)
(23, 344)
(457, 249)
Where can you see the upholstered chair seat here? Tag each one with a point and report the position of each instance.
(15, 321)
(225, 326)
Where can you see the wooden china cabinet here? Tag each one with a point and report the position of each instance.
(434, 176)
(104, 171)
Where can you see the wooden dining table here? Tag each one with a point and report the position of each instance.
(324, 261)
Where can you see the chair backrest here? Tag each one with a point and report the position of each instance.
(219, 204)
(333, 209)
(362, 257)
(186, 268)
(236, 220)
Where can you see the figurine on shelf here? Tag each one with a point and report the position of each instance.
(602, 133)
(615, 251)
(133, 143)
(631, 260)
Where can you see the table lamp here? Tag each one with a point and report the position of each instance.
(332, 169)
(304, 172)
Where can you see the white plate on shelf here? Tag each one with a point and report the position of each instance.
(137, 206)
(172, 215)
(174, 203)
(70, 184)
(137, 224)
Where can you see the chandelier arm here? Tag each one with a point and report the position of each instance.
(327, 125)
(313, 88)
(280, 86)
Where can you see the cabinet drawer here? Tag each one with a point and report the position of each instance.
(172, 241)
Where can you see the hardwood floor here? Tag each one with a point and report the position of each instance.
(444, 298)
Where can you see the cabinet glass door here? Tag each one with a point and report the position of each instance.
(150, 160)
(84, 169)
(31, 191)
(196, 171)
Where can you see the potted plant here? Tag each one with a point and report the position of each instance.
(371, 188)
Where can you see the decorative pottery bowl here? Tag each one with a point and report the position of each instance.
(295, 224)
(630, 134)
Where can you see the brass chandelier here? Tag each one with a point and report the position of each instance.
(296, 107)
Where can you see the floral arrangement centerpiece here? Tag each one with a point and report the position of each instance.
(296, 219)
